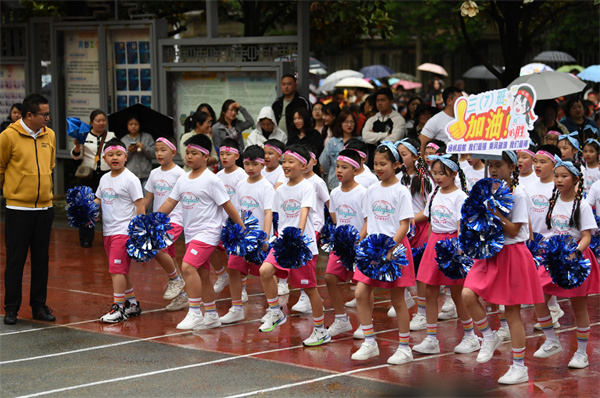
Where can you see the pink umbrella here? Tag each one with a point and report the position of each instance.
(407, 85)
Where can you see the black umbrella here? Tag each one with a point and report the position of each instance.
(481, 72)
(554, 56)
(151, 121)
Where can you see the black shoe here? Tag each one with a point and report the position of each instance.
(10, 318)
(86, 244)
(43, 314)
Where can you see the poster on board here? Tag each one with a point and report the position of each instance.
(491, 122)
(12, 87)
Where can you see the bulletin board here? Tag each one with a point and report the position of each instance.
(12, 87)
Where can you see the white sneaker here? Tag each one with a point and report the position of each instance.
(232, 316)
(358, 333)
(116, 314)
(410, 302)
(418, 322)
(445, 315)
(222, 282)
(283, 289)
(429, 345)
(549, 348)
(448, 304)
(515, 375)
(503, 333)
(339, 326)
(351, 303)
(211, 321)
(174, 288)
(178, 303)
(401, 356)
(190, 321)
(273, 319)
(467, 345)
(486, 352)
(317, 337)
(244, 296)
(579, 360)
(303, 305)
(365, 352)
(265, 316)
(391, 312)
(556, 313)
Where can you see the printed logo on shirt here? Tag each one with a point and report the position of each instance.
(230, 191)
(440, 214)
(560, 224)
(109, 196)
(291, 208)
(248, 203)
(188, 200)
(162, 188)
(589, 181)
(383, 210)
(540, 203)
(345, 214)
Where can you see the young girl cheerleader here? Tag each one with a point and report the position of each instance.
(444, 212)
(120, 196)
(474, 172)
(158, 188)
(433, 147)
(364, 176)
(509, 278)
(591, 149)
(569, 146)
(294, 201)
(414, 175)
(389, 212)
(568, 214)
(346, 205)
(525, 164)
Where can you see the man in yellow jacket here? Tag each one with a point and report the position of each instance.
(27, 154)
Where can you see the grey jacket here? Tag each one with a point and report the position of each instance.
(140, 163)
(220, 131)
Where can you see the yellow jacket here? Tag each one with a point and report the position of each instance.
(26, 166)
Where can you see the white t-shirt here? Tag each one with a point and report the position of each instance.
(231, 180)
(445, 211)
(366, 178)
(288, 202)
(386, 207)
(435, 128)
(348, 206)
(160, 183)
(256, 198)
(418, 200)
(519, 214)
(590, 175)
(593, 197)
(540, 194)
(272, 176)
(322, 196)
(527, 181)
(201, 200)
(118, 195)
(472, 176)
(561, 214)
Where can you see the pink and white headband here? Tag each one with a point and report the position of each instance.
(117, 147)
(312, 155)
(360, 153)
(199, 148)
(259, 160)
(274, 148)
(433, 145)
(350, 161)
(551, 156)
(167, 143)
(228, 149)
(297, 156)
(527, 151)
(553, 132)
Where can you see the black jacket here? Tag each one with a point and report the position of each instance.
(298, 102)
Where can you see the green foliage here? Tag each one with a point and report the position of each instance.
(578, 30)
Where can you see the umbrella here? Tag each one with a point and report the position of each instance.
(481, 72)
(549, 85)
(354, 82)
(407, 85)
(151, 121)
(554, 56)
(331, 80)
(78, 129)
(569, 68)
(433, 68)
(404, 76)
(376, 71)
(534, 68)
(591, 73)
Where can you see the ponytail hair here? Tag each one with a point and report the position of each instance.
(191, 121)
(431, 201)
(422, 183)
(551, 205)
(514, 178)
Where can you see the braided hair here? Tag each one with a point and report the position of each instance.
(422, 184)
(447, 171)
(514, 177)
(551, 205)
(574, 220)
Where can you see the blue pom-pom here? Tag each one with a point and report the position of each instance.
(565, 272)
(450, 262)
(535, 248)
(257, 256)
(148, 234)
(275, 222)
(292, 248)
(412, 230)
(345, 238)
(483, 244)
(241, 241)
(417, 253)
(595, 242)
(371, 258)
(81, 209)
(326, 236)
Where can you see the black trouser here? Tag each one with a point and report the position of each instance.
(86, 234)
(25, 230)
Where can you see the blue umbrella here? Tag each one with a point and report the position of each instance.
(77, 129)
(591, 73)
(376, 71)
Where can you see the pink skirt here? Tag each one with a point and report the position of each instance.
(429, 272)
(508, 278)
(591, 285)
(406, 280)
(421, 234)
(335, 267)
